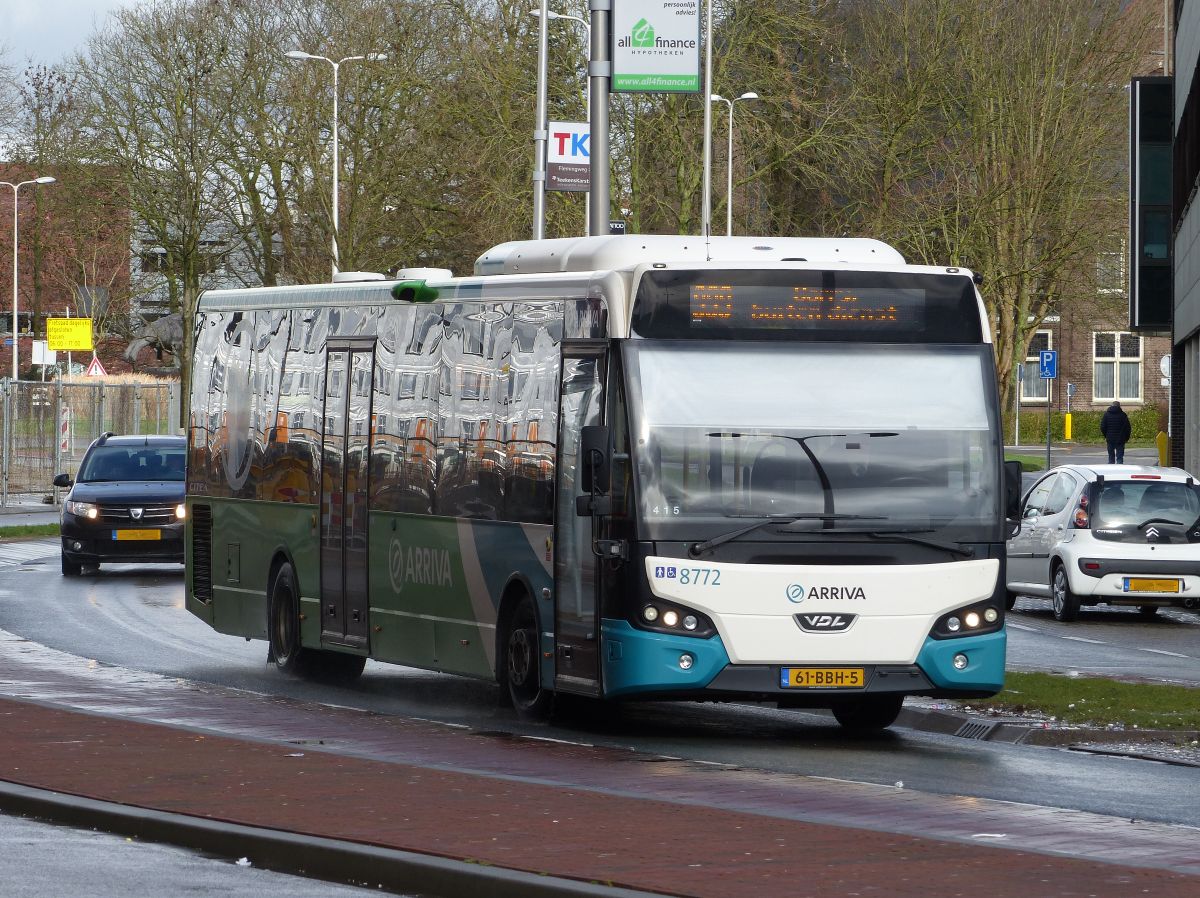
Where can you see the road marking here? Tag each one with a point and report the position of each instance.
(1165, 652)
(1084, 639)
(1016, 626)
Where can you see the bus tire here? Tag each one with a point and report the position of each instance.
(283, 624)
(869, 713)
(1063, 601)
(521, 668)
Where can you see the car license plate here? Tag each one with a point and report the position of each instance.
(822, 678)
(137, 534)
(1141, 584)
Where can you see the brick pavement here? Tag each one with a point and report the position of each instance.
(650, 843)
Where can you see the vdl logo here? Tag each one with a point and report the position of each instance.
(795, 593)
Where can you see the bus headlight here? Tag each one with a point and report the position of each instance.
(667, 617)
(973, 620)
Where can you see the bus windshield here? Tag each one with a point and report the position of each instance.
(865, 437)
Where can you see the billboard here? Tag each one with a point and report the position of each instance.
(656, 46)
(568, 157)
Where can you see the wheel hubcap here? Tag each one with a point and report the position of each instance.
(518, 657)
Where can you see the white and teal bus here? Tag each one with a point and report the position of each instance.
(761, 469)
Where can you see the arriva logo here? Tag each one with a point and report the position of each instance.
(419, 565)
(795, 593)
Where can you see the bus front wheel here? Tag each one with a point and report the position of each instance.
(522, 667)
(869, 713)
(284, 624)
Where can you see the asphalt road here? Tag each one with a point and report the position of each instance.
(133, 618)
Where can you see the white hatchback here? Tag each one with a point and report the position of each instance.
(1119, 534)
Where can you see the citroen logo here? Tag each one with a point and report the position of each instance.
(795, 593)
(135, 513)
(1152, 534)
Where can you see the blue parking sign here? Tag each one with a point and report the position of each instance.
(1048, 363)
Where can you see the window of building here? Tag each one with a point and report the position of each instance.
(1034, 388)
(1117, 366)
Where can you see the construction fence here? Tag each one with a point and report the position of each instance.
(47, 427)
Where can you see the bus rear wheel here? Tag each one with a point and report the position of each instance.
(522, 675)
(868, 714)
(283, 613)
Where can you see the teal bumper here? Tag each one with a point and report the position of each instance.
(639, 661)
(985, 662)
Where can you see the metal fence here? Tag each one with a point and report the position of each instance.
(46, 427)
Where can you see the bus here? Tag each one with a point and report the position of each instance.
(623, 467)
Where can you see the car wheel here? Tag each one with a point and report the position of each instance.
(283, 624)
(1010, 600)
(1064, 602)
(868, 714)
(1147, 612)
(522, 675)
(71, 568)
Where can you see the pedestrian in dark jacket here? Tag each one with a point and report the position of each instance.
(1115, 427)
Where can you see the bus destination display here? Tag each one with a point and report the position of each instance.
(798, 307)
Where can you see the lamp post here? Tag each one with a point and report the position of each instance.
(16, 189)
(551, 15)
(373, 57)
(748, 95)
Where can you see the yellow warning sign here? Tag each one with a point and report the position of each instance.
(69, 334)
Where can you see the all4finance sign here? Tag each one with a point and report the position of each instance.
(656, 46)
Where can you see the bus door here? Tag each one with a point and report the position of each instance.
(576, 572)
(345, 452)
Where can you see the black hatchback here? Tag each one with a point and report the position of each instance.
(126, 504)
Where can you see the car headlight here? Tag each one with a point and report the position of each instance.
(83, 510)
(180, 511)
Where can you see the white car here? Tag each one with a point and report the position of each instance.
(1119, 534)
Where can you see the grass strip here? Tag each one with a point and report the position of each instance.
(1028, 462)
(1099, 702)
(24, 530)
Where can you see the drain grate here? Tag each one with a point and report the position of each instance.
(975, 729)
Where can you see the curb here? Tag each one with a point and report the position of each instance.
(954, 723)
(314, 857)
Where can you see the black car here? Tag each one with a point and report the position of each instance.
(126, 504)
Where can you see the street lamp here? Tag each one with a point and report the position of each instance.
(748, 95)
(372, 57)
(551, 15)
(16, 189)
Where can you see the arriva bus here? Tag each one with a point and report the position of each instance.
(632, 467)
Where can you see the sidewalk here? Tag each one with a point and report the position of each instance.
(454, 827)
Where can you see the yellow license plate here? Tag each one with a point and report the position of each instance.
(1141, 584)
(137, 534)
(822, 677)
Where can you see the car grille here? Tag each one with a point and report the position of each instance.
(151, 514)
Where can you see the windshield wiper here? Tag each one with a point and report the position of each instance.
(966, 551)
(695, 550)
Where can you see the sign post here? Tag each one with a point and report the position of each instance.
(1048, 370)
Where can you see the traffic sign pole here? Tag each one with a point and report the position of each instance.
(1048, 365)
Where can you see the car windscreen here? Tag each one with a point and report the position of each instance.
(1131, 504)
(133, 463)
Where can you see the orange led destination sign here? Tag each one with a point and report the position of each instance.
(798, 306)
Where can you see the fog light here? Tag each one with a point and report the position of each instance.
(953, 624)
(650, 613)
(670, 618)
(690, 622)
(991, 615)
(960, 661)
(77, 545)
(686, 661)
(972, 619)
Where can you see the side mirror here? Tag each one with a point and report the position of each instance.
(595, 459)
(1012, 494)
(63, 480)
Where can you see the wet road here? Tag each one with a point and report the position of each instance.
(133, 618)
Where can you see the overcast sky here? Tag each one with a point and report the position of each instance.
(48, 30)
